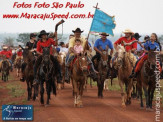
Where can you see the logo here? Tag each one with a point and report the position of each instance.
(17, 112)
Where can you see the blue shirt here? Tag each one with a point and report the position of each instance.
(99, 43)
(152, 46)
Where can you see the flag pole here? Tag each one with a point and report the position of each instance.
(86, 46)
(96, 7)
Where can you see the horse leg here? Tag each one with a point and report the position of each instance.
(74, 83)
(122, 93)
(102, 87)
(146, 96)
(139, 89)
(129, 91)
(151, 99)
(28, 90)
(90, 82)
(42, 92)
(48, 89)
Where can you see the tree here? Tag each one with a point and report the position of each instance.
(9, 41)
(23, 37)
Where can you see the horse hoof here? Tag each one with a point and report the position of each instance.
(141, 108)
(123, 106)
(47, 105)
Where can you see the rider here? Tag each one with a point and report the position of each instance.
(102, 44)
(19, 54)
(31, 45)
(7, 55)
(152, 45)
(77, 35)
(63, 48)
(127, 39)
(45, 42)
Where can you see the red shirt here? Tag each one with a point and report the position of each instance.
(48, 42)
(8, 54)
(134, 45)
(19, 53)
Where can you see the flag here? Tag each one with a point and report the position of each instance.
(102, 22)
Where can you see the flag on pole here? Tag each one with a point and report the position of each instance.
(102, 22)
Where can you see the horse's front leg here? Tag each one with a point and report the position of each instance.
(146, 96)
(122, 93)
(74, 83)
(48, 90)
(42, 92)
(129, 91)
(151, 97)
(28, 90)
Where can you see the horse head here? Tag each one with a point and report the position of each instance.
(82, 62)
(5, 65)
(152, 56)
(61, 58)
(46, 54)
(121, 53)
(104, 56)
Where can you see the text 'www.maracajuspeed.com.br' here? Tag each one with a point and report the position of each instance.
(46, 16)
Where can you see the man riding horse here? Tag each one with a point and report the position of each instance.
(71, 55)
(45, 42)
(7, 55)
(149, 45)
(102, 44)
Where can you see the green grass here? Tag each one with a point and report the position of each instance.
(15, 90)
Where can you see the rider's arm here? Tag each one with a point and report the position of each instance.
(118, 42)
(97, 50)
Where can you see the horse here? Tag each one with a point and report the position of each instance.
(79, 76)
(18, 65)
(61, 59)
(28, 59)
(125, 63)
(5, 70)
(146, 79)
(46, 73)
(102, 67)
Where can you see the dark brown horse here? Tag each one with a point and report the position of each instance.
(28, 58)
(5, 70)
(47, 74)
(146, 79)
(102, 67)
(79, 74)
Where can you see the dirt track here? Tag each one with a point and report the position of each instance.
(108, 109)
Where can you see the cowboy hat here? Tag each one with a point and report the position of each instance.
(137, 36)
(77, 30)
(104, 34)
(33, 35)
(128, 31)
(43, 32)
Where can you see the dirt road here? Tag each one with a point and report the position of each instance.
(108, 109)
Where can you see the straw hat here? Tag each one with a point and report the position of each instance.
(5, 47)
(128, 31)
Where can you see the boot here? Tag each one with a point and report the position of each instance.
(133, 75)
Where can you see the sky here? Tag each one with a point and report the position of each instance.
(143, 16)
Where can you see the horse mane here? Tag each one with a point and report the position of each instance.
(131, 58)
(121, 48)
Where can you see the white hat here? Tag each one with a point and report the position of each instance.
(5, 47)
(127, 31)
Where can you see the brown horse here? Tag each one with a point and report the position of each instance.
(61, 59)
(102, 67)
(125, 63)
(28, 58)
(146, 79)
(18, 64)
(79, 74)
